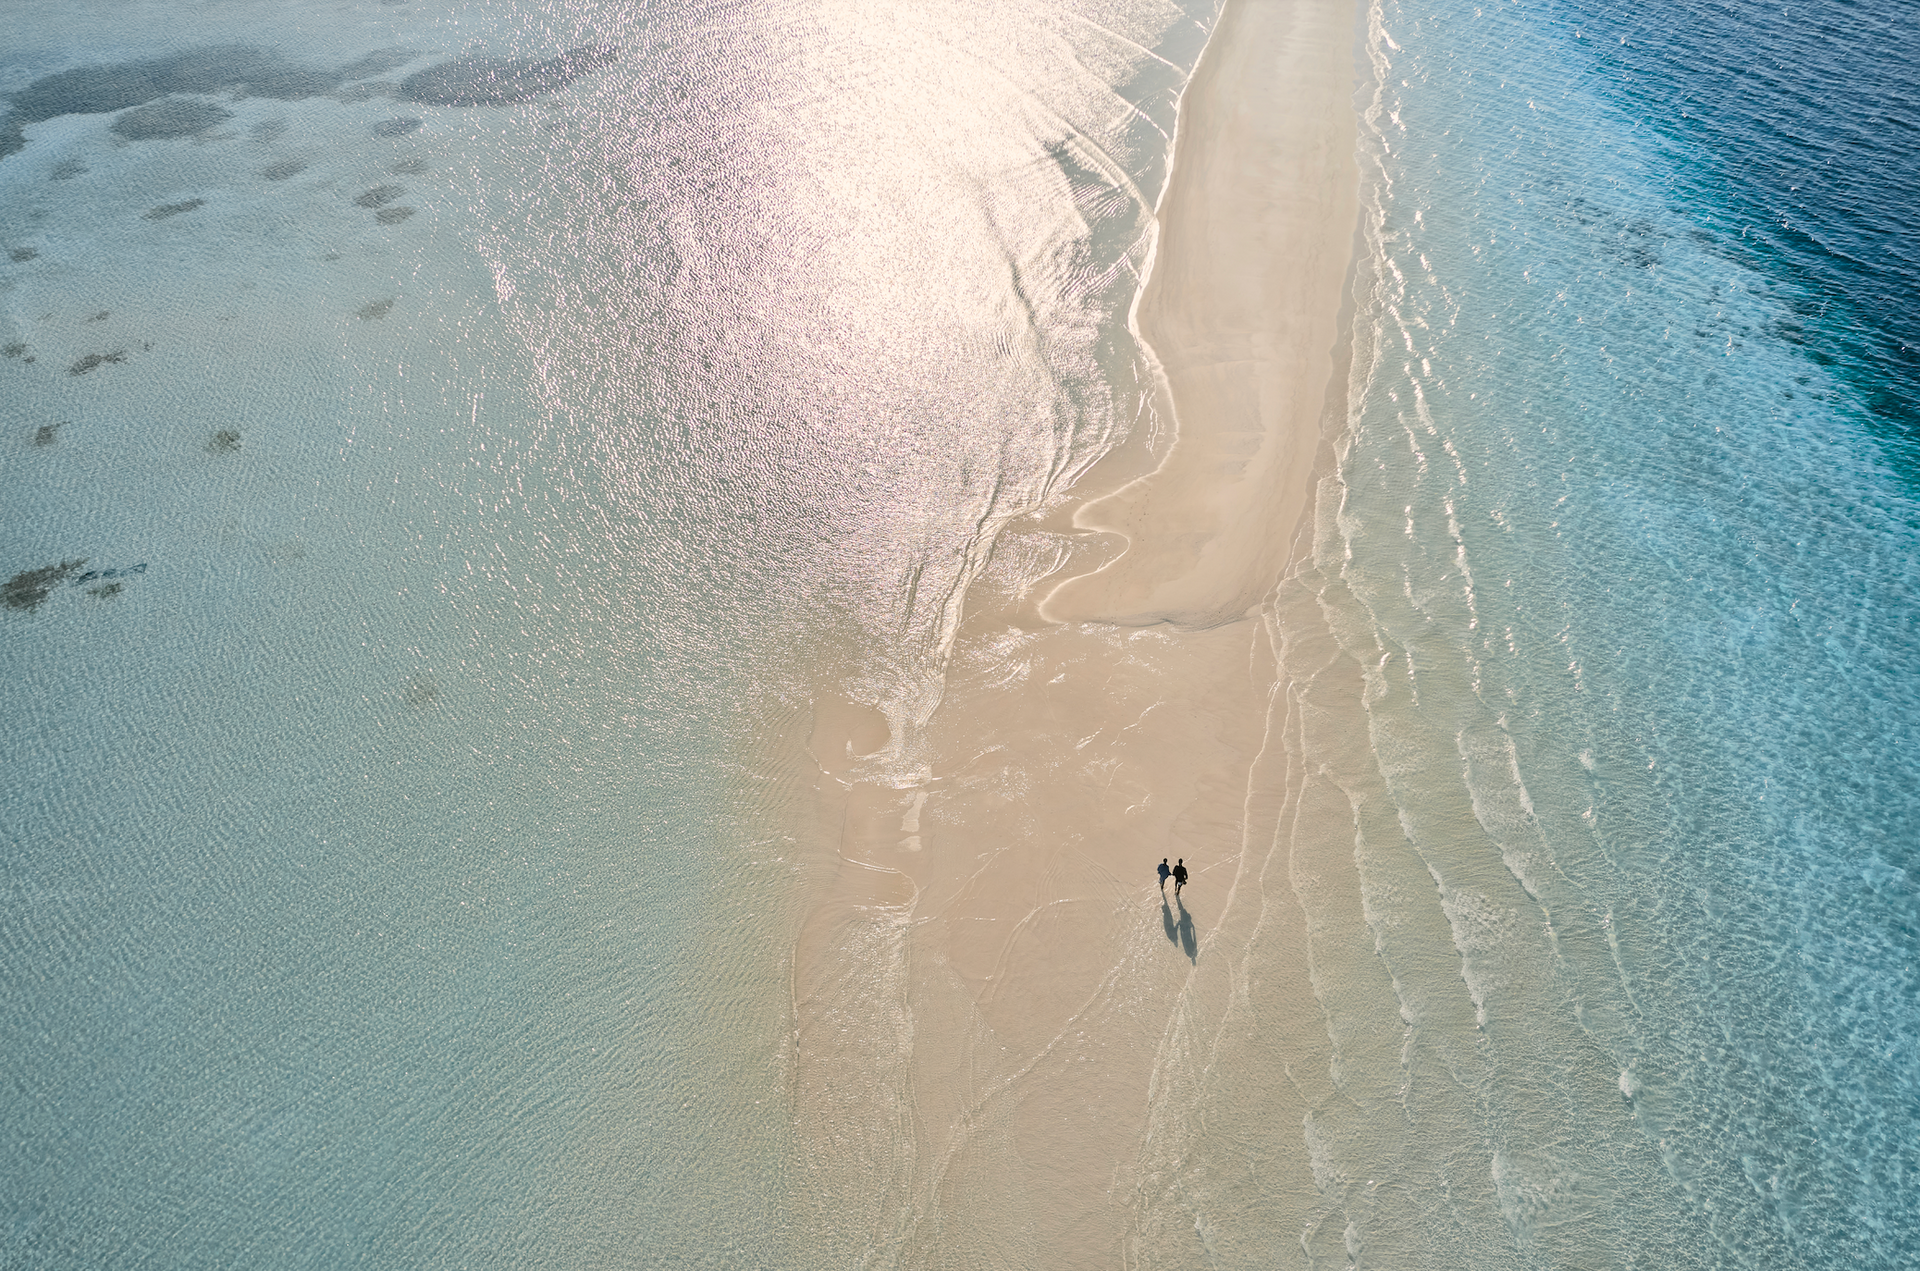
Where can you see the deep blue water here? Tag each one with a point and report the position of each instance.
(1793, 137)
(1794, 134)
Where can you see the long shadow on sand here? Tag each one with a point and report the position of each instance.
(1181, 933)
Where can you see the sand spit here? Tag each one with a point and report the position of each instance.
(1242, 305)
(998, 1023)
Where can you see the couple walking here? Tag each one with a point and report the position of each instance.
(1179, 873)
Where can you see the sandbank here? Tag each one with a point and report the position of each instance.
(1241, 310)
(998, 1020)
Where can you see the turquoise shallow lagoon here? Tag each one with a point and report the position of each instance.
(443, 447)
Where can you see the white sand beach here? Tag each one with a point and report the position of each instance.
(992, 1005)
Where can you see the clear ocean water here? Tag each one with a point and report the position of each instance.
(442, 446)
(1627, 540)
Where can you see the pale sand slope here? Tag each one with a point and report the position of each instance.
(999, 1027)
(1242, 305)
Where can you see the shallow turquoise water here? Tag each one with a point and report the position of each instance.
(475, 430)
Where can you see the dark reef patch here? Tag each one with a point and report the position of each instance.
(29, 589)
(92, 360)
(158, 95)
(376, 309)
(486, 81)
(116, 86)
(67, 170)
(19, 254)
(378, 196)
(165, 210)
(392, 215)
(223, 442)
(170, 117)
(108, 590)
(236, 69)
(399, 126)
(421, 692)
(48, 434)
(284, 169)
(127, 572)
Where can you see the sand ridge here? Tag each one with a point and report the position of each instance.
(1240, 309)
(994, 1013)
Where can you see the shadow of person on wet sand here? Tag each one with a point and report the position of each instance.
(1180, 934)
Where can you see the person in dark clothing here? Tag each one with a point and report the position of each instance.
(1179, 875)
(1164, 871)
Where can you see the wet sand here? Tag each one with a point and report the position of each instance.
(999, 1023)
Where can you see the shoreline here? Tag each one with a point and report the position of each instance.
(984, 993)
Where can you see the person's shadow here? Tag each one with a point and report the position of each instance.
(1180, 934)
